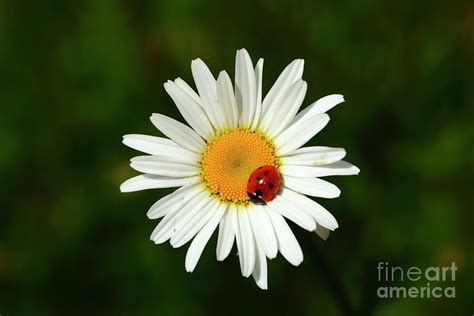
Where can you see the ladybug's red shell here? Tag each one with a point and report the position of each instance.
(263, 184)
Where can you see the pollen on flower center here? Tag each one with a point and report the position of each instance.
(230, 159)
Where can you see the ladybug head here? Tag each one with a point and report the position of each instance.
(255, 198)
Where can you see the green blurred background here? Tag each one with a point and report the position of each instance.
(77, 75)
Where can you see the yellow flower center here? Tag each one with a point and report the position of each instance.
(230, 159)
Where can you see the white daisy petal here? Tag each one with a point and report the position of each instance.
(226, 97)
(225, 239)
(189, 91)
(201, 239)
(207, 87)
(315, 210)
(238, 238)
(157, 146)
(285, 207)
(167, 226)
(263, 230)
(313, 156)
(320, 106)
(164, 166)
(177, 198)
(258, 80)
(246, 242)
(149, 181)
(190, 226)
(203, 202)
(287, 78)
(339, 168)
(190, 110)
(312, 186)
(299, 133)
(279, 118)
(260, 271)
(181, 134)
(245, 87)
(287, 243)
(164, 159)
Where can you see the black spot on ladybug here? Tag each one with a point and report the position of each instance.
(259, 167)
(258, 178)
(266, 173)
(270, 185)
(258, 192)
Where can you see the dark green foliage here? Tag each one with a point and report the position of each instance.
(75, 76)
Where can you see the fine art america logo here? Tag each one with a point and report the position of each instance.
(430, 282)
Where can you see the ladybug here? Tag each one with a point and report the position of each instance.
(263, 184)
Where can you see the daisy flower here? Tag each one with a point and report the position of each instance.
(230, 133)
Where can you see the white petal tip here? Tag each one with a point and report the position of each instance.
(247, 274)
(336, 98)
(151, 215)
(190, 263)
(196, 61)
(263, 286)
(353, 171)
(298, 262)
(124, 188)
(271, 257)
(329, 225)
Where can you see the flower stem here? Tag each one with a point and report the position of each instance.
(320, 262)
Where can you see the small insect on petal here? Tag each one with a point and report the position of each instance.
(263, 184)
